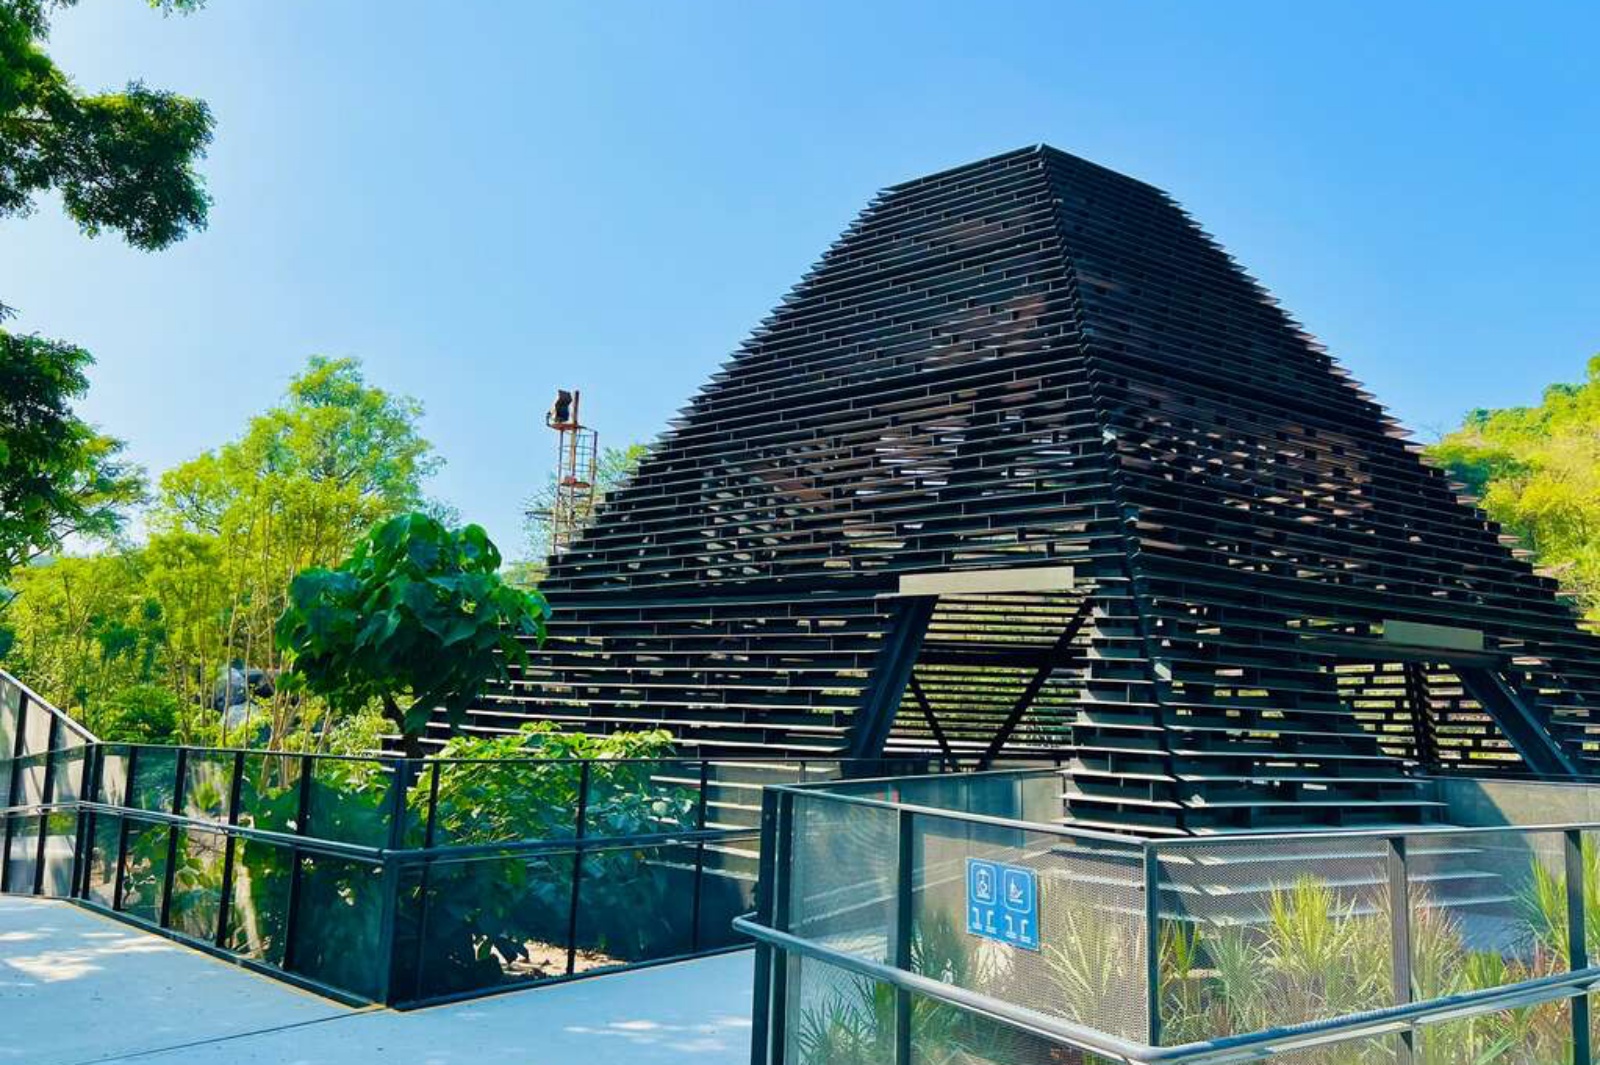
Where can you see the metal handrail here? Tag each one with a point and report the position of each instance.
(1225, 1049)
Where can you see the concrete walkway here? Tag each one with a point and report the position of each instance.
(76, 987)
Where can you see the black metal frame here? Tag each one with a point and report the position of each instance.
(391, 858)
(777, 945)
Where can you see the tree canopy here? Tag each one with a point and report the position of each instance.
(123, 161)
(417, 612)
(227, 532)
(58, 476)
(1536, 471)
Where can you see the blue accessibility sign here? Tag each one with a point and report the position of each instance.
(1003, 903)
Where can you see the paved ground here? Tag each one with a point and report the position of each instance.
(76, 987)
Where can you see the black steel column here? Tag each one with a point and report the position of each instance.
(890, 673)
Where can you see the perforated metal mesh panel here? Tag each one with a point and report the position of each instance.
(836, 1017)
(944, 1035)
(1487, 909)
(843, 867)
(1090, 965)
(1533, 1035)
(1268, 932)
(1518, 802)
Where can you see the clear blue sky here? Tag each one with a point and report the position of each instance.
(487, 200)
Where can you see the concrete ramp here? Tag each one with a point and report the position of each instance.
(77, 988)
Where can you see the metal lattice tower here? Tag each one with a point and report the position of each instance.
(577, 452)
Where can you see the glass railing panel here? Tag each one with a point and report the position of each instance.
(7, 769)
(1487, 909)
(22, 859)
(60, 847)
(834, 1016)
(258, 906)
(486, 922)
(30, 771)
(10, 716)
(506, 801)
(197, 883)
(628, 798)
(1048, 922)
(729, 870)
(1257, 934)
(350, 800)
(635, 904)
(338, 920)
(35, 728)
(842, 875)
(269, 794)
(103, 859)
(942, 1034)
(207, 778)
(111, 786)
(1530, 1035)
(155, 779)
(144, 870)
(66, 774)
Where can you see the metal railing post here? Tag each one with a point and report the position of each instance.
(389, 878)
(1152, 945)
(12, 787)
(577, 867)
(782, 912)
(46, 791)
(229, 851)
(699, 859)
(1400, 938)
(291, 917)
(903, 930)
(1577, 939)
(83, 853)
(765, 955)
(180, 769)
(119, 882)
(429, 834)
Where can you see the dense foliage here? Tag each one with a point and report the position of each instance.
(227, 533)
(1536, 470)
(120, 160)
(418, 612)
(58, 476)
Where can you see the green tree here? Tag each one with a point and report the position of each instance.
(123, 161)
(58, 476)
(417, 618)
(298, 490)
(1536, 471)
(84, 628)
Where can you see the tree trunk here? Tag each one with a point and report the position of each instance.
(410, 744)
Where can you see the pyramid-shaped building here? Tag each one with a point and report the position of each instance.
(1027, 464)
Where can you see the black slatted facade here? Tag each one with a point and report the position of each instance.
(1035, 363)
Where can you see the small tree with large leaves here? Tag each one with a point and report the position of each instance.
(417, 618)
